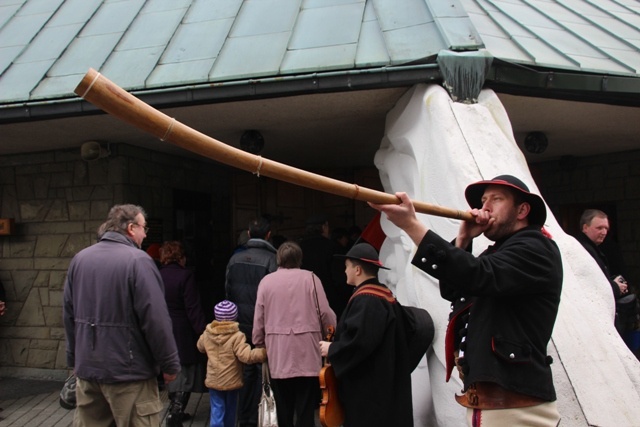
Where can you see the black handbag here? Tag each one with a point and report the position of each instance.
(68, 393)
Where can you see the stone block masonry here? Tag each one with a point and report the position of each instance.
(58, 201)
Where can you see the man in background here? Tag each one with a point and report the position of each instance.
(318, 250)
(594, 227)
(245, 270)
(119, 335)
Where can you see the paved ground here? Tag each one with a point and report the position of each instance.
(15, 388)
(27, 402)
(34, 403)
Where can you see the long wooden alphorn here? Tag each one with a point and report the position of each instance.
(114, 100)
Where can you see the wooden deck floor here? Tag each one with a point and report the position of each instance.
(45, 410)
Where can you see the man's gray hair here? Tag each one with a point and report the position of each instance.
(119, 218)
(588, 215)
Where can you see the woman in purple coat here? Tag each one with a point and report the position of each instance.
(189, 322)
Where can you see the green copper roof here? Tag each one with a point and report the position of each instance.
(46, 46)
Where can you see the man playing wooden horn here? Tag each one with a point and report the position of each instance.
(505, 301)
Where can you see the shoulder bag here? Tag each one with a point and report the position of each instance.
(267, 415)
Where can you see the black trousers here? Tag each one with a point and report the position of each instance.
(250, 395)
(296, 400)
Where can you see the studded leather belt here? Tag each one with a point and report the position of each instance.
(486, 395)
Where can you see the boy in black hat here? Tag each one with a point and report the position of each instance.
(505, 301)
(370, 354)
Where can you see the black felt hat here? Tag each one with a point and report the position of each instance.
(538, 214)
(364, 252)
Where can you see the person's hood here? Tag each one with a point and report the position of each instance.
(261, 244)
(222, 331)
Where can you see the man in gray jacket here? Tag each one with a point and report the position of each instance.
(119, 335)
(245, 270)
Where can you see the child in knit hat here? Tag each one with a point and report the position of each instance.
(227, 349)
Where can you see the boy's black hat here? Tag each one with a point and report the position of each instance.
(364, 252)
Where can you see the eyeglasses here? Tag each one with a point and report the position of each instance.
(144, 227)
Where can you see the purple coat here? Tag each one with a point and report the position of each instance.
(115, 316)
(185, 310)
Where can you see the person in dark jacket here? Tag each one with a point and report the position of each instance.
(594, 227)
(505, 301)
(318, 250)
(245, 270)
(188, 322)
(370, 351)
(117, 326)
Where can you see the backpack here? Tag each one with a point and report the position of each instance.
(419, 326)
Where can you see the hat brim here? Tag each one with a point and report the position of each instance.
(538, 214)
(374, 262)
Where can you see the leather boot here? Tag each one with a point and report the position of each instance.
(174, 418)
(184, 399)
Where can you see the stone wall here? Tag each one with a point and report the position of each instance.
(574, 183)
(58, 201)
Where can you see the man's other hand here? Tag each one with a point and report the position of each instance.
(169, 377)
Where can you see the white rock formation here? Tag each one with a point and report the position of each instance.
(433, 148)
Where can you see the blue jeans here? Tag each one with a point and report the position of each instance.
(224, 405)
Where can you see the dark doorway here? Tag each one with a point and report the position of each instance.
(194, 220)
